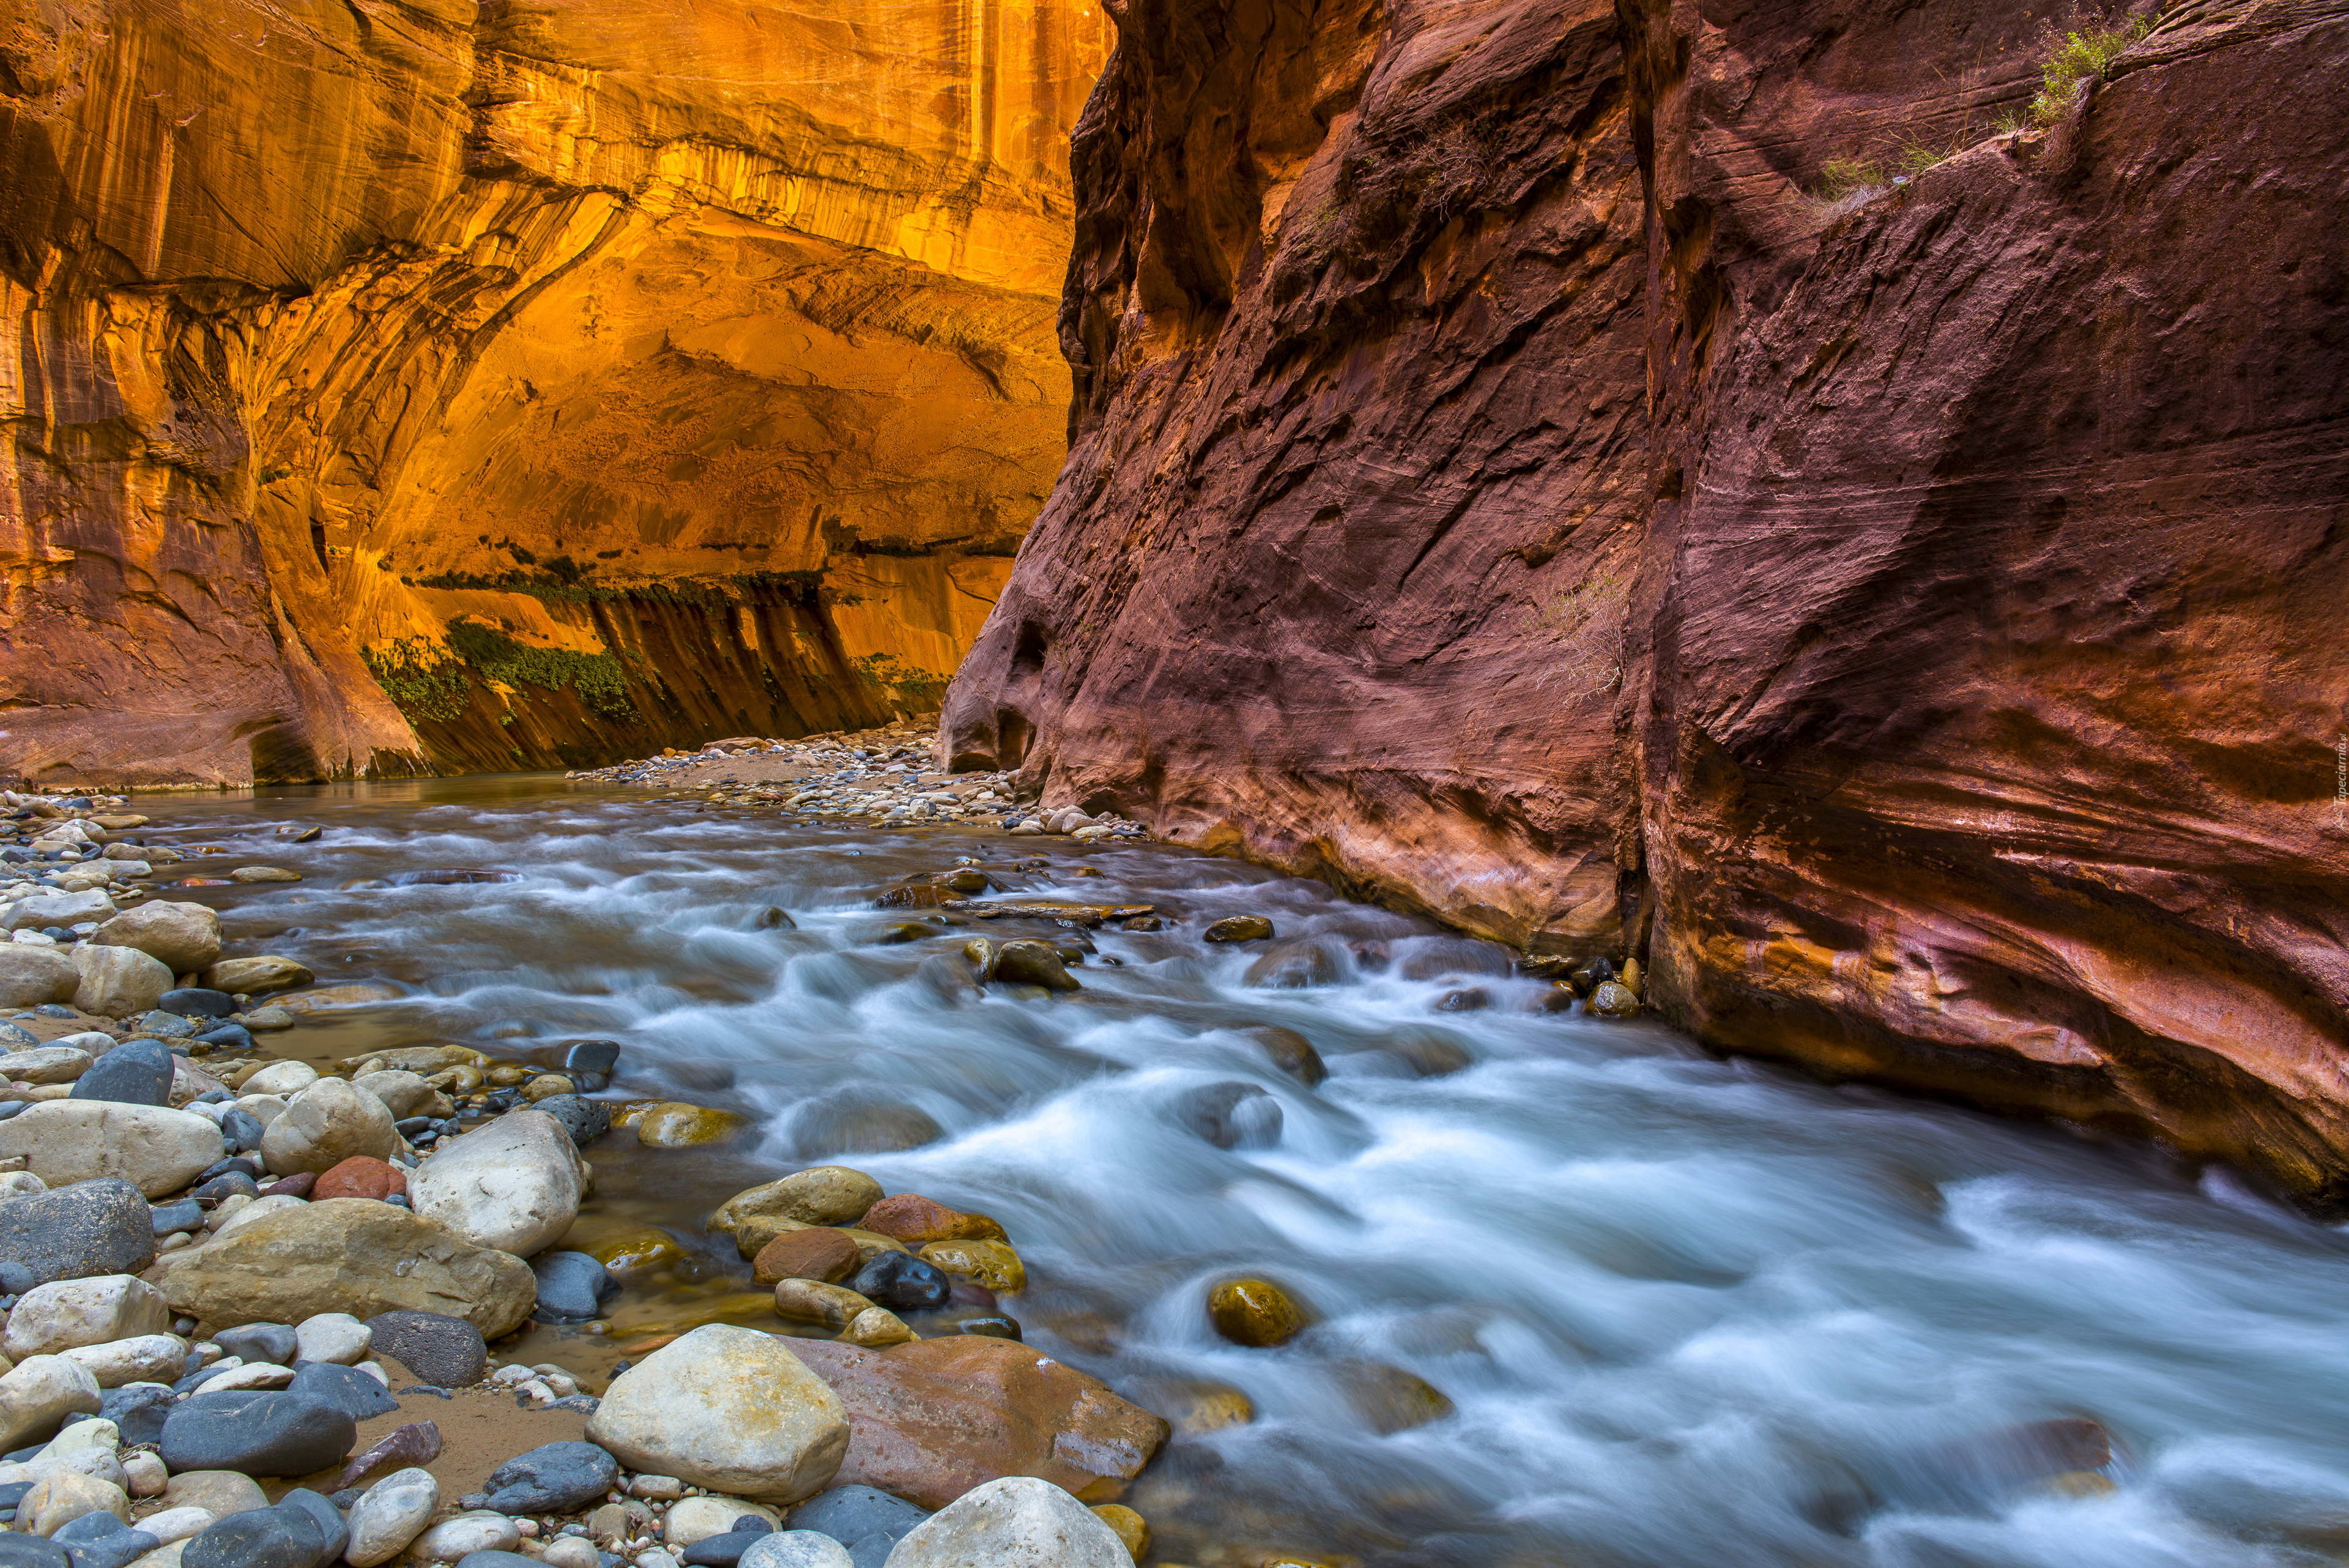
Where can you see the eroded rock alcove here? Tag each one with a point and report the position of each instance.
(432, 385)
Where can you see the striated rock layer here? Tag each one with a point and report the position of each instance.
(1521, 471)
(420, 384)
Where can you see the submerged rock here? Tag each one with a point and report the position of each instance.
(1253, 1312)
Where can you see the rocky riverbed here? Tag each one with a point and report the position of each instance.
(524, 1169)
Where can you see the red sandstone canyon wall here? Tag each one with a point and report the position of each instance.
(1518, 471)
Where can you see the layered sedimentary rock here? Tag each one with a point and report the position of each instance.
(1519, 471)
(693, 365)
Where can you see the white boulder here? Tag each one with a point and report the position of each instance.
(117, 983)
(394, 1512)
(143, 1358)
(35, 1395)
(1017, 1521)
(68, 1314)
(514, 1185)
(324, 1124)
(183, 936)
(157, 1149)
(726, 1408)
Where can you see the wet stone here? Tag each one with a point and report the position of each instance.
(572, 1287)
(197, 1002)
(1232, 1115)
(820, 1252)
(585, 1119)
(902, 1282)
(1289, 1050)
(1239, 929)
(1253, 1312)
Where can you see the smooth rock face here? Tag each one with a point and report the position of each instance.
(217, 1493)
(97, 1227)
(514, 1185)
(1017, 1521)
(183, 936)
(726, 1408)
(1742, 690)
(157, 1149)
(332, 1337)
(349, 1255)
(393, 1512)
(864, 1520)
(117, 983)
(259, 1433)
(572, 1286)
(695, 1519)
(933, 1419)
(324, 1124)
(353, 1392)
(143, 1358)
(475, 1530)
(30, 977)
(822, 1195)
(47, 1064)
(135, 1073)
(256, 976)
(800, 1548)
(39, 1392)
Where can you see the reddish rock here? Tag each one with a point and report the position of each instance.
(930, 1420)
(360, 1177)
(1499, 480)
(417, 1443)
(818, 1253)
(916, 1221)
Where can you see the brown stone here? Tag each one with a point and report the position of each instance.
(417, 1443)
(818, 1253)
(360, 1176)
(930, 1420)
(1253, 1312)
(910, 1217)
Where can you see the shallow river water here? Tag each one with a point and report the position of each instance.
(1688, 1312)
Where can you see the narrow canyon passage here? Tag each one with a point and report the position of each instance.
(1674, 1312)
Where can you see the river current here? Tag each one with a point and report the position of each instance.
(1686, 1312)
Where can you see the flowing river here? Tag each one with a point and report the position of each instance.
(1686, 1312)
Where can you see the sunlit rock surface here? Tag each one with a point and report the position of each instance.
(697, 362)
(1512, 478)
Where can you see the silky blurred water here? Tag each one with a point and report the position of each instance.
(1688, 1312)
